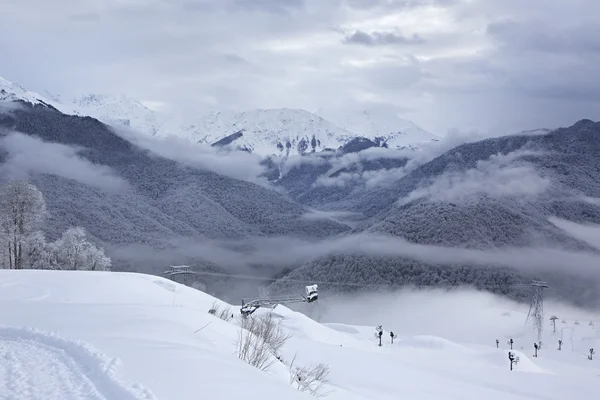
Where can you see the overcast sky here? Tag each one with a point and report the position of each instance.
(487, 64)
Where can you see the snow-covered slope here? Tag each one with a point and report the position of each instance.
(381, 125)
(124, 336)
(10, 91)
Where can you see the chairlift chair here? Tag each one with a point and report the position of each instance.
(311, 293)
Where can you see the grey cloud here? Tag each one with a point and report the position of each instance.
(528, 36)
(29, 156)
(465, 76)
(234, 58)
(381, 38)
(398, 4)
(277, 6)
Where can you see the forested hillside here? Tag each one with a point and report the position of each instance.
(128, 195)
(149, 211)
(493, 194)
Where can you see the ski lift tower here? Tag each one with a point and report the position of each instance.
(252, 305)
(536, 309)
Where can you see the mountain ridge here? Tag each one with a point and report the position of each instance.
(279, 131)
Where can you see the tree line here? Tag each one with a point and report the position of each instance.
(23, 244)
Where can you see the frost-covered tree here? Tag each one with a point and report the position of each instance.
(37, 252)
(71, 249)
(22, 212)
(75, 252)
(95, 259)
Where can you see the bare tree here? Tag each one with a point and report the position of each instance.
(22, 212)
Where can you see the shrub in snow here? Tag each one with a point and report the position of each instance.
(311, 379)
(216, 310)
(267, 329)
(259, 340)
(254, 350)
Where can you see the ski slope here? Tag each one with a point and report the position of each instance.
(105, 335)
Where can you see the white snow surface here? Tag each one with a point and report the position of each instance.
(107, 335)
(382, 123)
(12, 92)
(118, 110)
(265, 132)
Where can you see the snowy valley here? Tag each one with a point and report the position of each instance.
(123, 336)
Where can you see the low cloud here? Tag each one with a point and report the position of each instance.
(368, 178)
(463, 316)
(427, 151)
(7, 107)
(222, 160)
(242, 255)
(384, 38)
(499, 176)
(296, 161)
(316, 215)
(589, 233)
(28, 155)
(340, 180)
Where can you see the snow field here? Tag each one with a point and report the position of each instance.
(38, 365)
(152, 325)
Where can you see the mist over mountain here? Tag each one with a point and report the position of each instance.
(489, 213)
(127, 195)
(492, 194)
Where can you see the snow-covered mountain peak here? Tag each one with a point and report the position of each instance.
(277, 131)
(280, 131)
(13, 92)
(381, 124)
(120, 110)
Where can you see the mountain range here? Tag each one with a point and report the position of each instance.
(357, 216)
(265, 132)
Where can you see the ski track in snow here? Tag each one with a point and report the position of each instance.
(35, 365)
